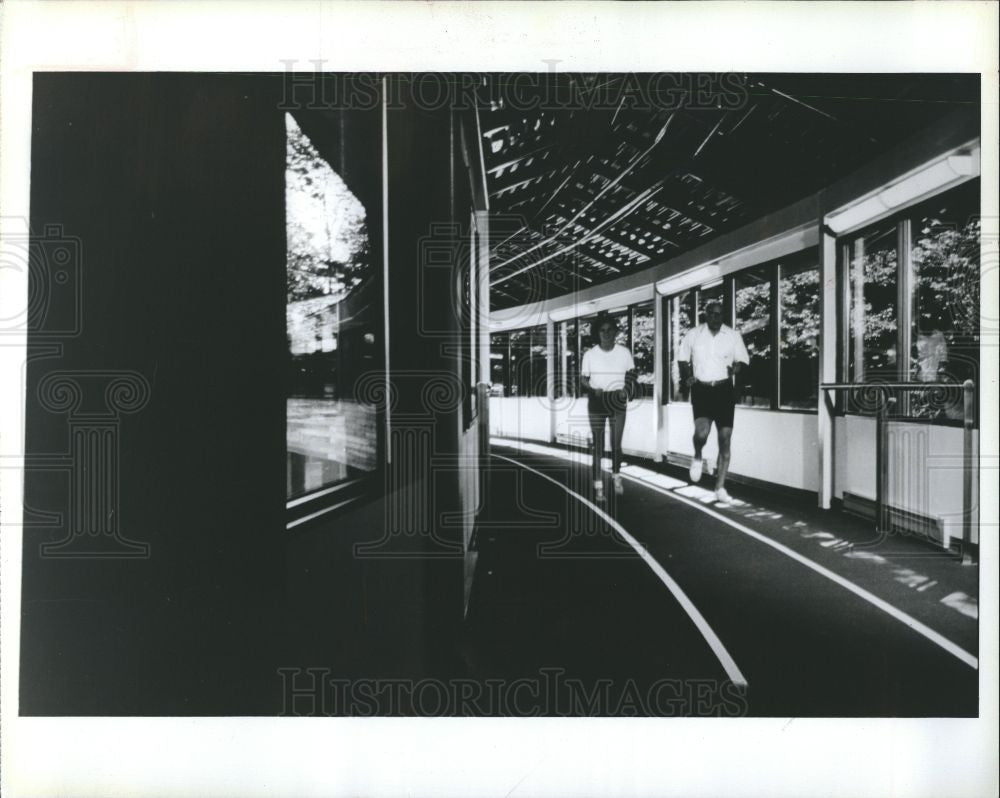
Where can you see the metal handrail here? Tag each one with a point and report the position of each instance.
(881, 390)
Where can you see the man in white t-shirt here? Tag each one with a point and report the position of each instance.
(710, 356)
(606, 373)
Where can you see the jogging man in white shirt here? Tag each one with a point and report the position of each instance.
(605, 372)
(710, 356)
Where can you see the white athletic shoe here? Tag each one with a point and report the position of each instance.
(722, 495)
(599, 490)
(697, 465)
(619, 485)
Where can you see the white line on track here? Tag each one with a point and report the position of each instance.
(732, 669)
(922, 629)
(871, 598)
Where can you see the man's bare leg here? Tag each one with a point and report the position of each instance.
(702, 426)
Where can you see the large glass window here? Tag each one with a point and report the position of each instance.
(520, 363)
(945, 235)
(500, 364)
(643, 344)
(635, 330)
(539, 361)
(798, 291)
(568, 363)
(775, 307)
(333, 323)
(874, 271)
(753, 321)
(915, 317)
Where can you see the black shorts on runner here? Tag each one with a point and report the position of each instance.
(610, 403)
(715, 402)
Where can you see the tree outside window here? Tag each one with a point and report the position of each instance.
(798, 292)
(753, 321)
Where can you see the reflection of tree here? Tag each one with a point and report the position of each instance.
(945, 317)
(800, 320)
(800, 326)
(681, 321)
(643, 328)
(327, 239)
(753, 318)
(876, 317)
(946, 278)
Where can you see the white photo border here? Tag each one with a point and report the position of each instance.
(466, 757)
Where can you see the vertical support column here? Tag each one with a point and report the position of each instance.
(659, 344)
(968, 396)
(563, 360)
(550, 375)
(482, 283)
(882, 521)
(827, 365)
(422, 241)
(483, 274)
(387, 410)
(483, 326)
(774, 300)
(904, 303)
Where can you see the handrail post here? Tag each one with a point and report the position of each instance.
(968, 423)
(882, 510)
(882, 522)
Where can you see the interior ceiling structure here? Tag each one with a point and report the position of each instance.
(592, 177)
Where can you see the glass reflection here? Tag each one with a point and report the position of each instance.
(331, 323)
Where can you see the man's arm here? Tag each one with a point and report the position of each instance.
(687, 375)
(741, 358)
(585, 376)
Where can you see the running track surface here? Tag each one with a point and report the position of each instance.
(559, 590)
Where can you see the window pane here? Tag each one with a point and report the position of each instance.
(332, 322)
(643, 325)
(753, 320)
(873, 285)
(798, 291)
(945, 325)
(539, 362)
(681, 320)
(499, 364)
(568, 360)
(520, 363)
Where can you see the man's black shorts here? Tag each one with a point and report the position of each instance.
(716, 402)
(610, 403)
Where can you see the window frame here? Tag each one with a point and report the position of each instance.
(904, 305)
(302, 506)
(773, 270)
(625, 313)
(522, 375)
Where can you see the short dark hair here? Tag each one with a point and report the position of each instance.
(716, 302)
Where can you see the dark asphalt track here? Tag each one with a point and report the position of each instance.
(556, 588)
